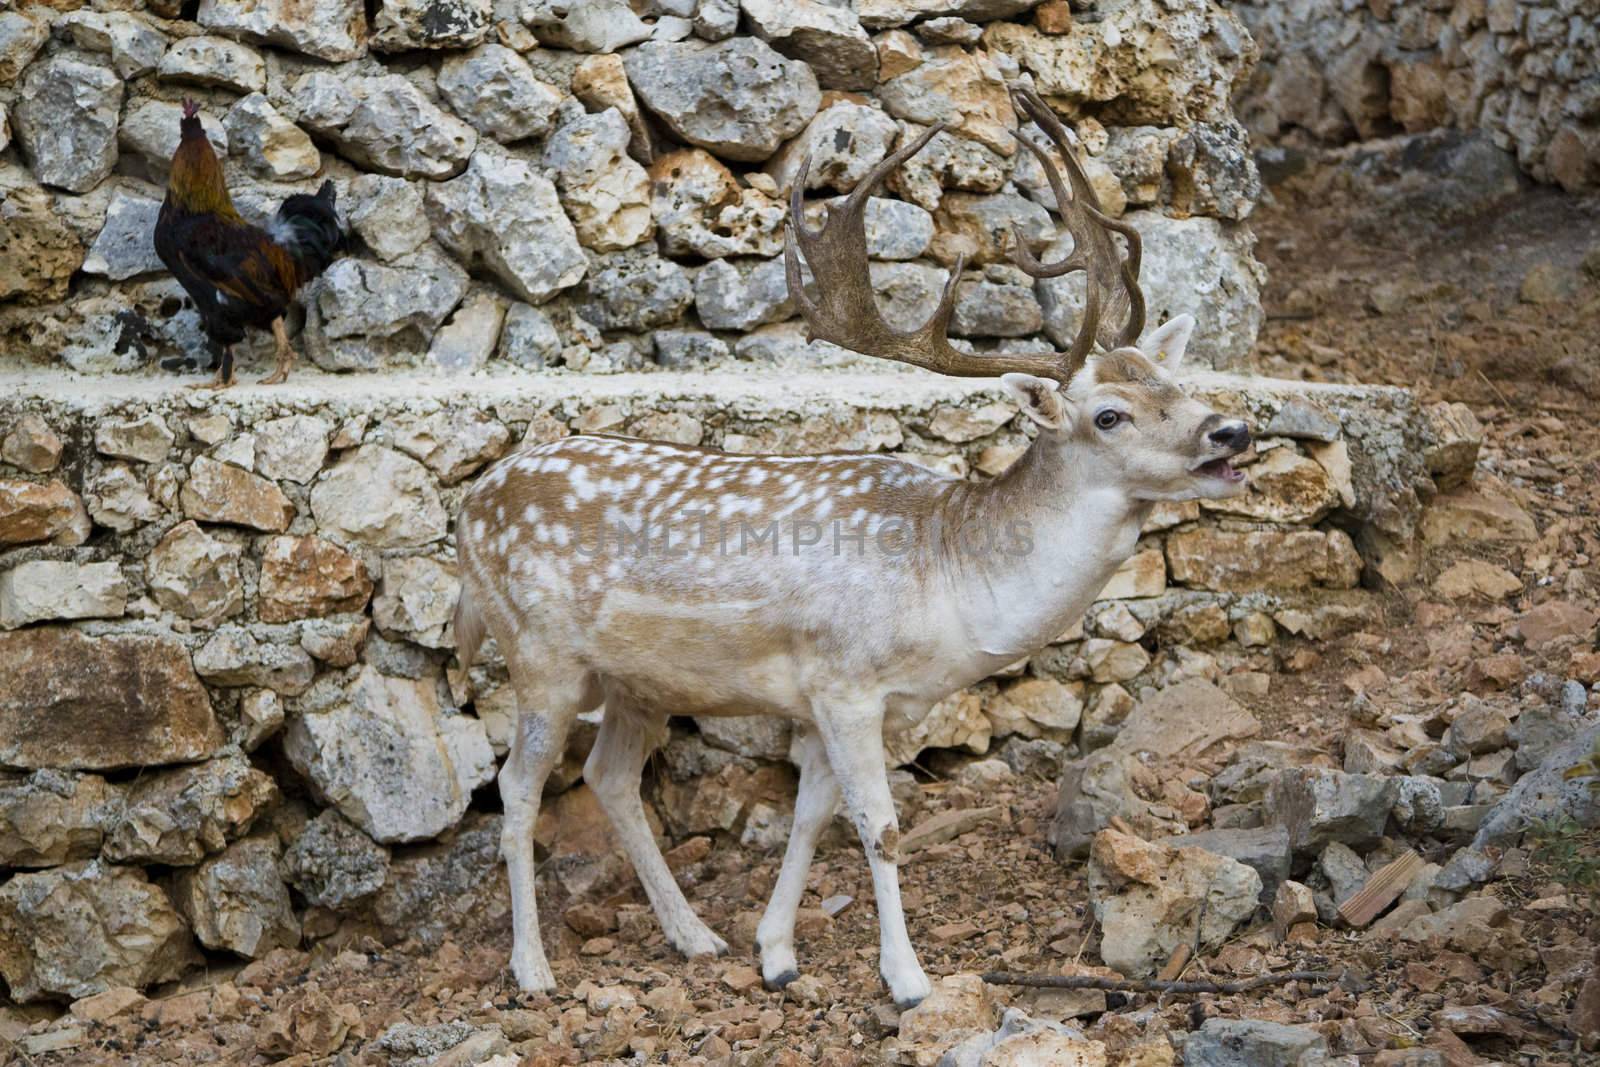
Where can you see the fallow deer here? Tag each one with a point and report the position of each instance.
(661, 579)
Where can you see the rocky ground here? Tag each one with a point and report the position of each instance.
(1317, 770)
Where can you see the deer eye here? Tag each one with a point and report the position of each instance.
(1107, 419)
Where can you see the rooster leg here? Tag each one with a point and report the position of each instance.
(224, 376)
(286, 356)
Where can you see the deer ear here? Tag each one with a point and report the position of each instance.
(1040, 399)
(1166, 345)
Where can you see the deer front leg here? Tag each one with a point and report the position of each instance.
(853, 737)
(285, 354)
(628, 734)
(813, 807)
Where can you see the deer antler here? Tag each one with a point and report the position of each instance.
(845, 310)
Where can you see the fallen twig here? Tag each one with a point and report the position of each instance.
(1148, 985)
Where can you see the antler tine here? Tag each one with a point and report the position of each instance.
(845, 309)
(1094, 252)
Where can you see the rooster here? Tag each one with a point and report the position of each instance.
(239, 275)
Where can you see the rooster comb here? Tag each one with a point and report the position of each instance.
(191, 108)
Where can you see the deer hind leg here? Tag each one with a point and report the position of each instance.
(547, 703)
(628, 734)
(814, 806)
(853, 737)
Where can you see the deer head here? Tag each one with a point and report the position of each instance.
(1122, 407)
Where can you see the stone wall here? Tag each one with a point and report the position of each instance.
(1525, 71)
(225, 620)
(602, 187)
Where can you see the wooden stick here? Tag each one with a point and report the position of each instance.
(1382, 888)
(1148, 985)
(1175, 965)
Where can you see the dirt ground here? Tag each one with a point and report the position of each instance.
(1457, 329)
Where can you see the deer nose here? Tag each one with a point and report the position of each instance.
(1234, 435)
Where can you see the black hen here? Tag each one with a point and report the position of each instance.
(239, 275)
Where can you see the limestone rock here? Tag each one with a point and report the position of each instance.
(995, 308)
(291, 448)
(981, 228)
(83, 928)
(178, 817)
(1180, 724)
(407, 25)
(378, 497)
(452, 444)
(303, 577)
(221, 492)
(1547, 794)
(1110, 59)
(31, 445)
(495, 90)
(40, 590)
(687, 348)
(194, 574)
(146, 438)
(124, 248)
(1143, 574)
(35, 511)
(22, 34)
(601, 82)
(1197, 266)
(66, 121)
(53, 817)
(636, 290)
(737, 98)
(1320, 806)
(844, 141)
(755, 736)
(332, 30)
(882, 14)
(135, 46)
(1265, 850)
(388, 214)
(153, 129)
(584, 25)
(528, 338)
(829, 39)
(428, 883)
(741, 294)
(701, 210)
(604, 191)
(1230, 1042)
(215, 61)
(1037, 707)
(1282, 487)
(101, 703)
(417, 600)
(958, 1006)
(237, 901)
(390, 758)
(271, 145)
(1150, 899)
(365, 314)
(260, 716)
(962, 88)
(233, 657)
(465, 343)
(385, 124)
(38, 251)
(957, 721)
(333, 864)
(1228, 561)
(503, 214)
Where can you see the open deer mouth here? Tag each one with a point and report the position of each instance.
(1220, 469)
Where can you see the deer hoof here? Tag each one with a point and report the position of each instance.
(775, 984)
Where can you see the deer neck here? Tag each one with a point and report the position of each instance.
(1059, 527)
